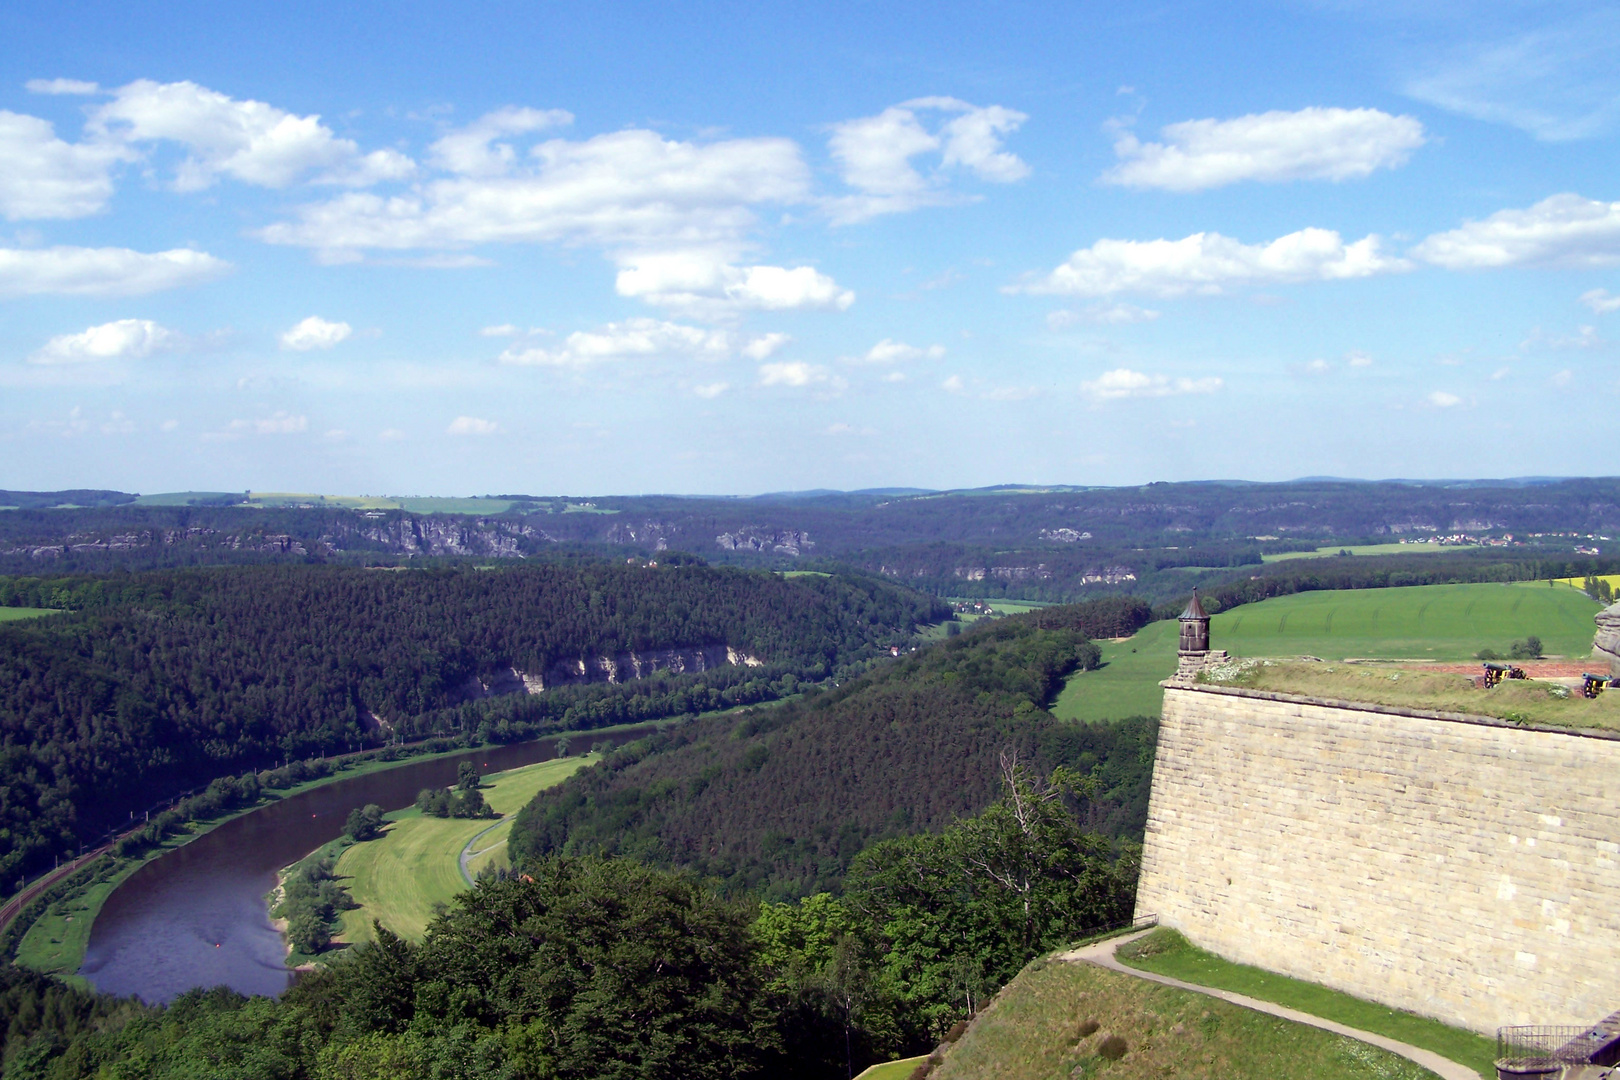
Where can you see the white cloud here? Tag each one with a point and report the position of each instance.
(628, 190)
(61, 86)
(472, 150)
(315, 333)
(471, 425)
(1100, 315)
(45, 177)
(1318, 366)
(764, 346)
(1358, 359)
(711, 390)
(874, 155)
(953, 385)
(1209, 264)
(503, 330)
(1564, 230)
(278, 423)
(1125, 383)
(632, 339)
(1563, 378)
(248, 140)
(797, 373)
(703, 285)
(1442, 400)
(1311, 144)
(898, 352)
(1586, 337)
(1600, 301)
(390, 435)
(126, 339)
(77, 271)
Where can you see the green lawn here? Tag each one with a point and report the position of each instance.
(1165, 952)
(1434, 622)
(12, 614)
(1368, 549)
(1051, 1022)
(1127, 683)
(400, 879)
(893, 1070)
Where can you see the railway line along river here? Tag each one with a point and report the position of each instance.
(197, 916)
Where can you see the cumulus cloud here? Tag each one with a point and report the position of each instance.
(503, 330)
(61, 86)
(250, 141)
(315, 333)
(1100, 315)
(712, 390)
(1564, 230)
(632, 339)
(888, 351)
(703, 285)
(1125, 383)
(1358, 359)
(471, 425)
(473, 151)
(765, 345)
(874, 155)
(78, 271)
(1600, 301)
(629, 190)
(1209, 264)
(46, 177)
(1311, 144)
(1440, 399)
(797, 373)
(126, 339)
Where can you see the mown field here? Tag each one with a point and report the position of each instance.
(11, 614)
(1369, 549)
(1053, 1020)
(401, 878)
(1127, 683)
(1428, 622)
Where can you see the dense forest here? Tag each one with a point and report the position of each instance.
(159, 682)
(780, 802)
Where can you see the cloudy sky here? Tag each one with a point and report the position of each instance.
(611, 248)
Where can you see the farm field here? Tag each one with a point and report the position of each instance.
(892, 1070)
(13, 614)
(1127, 683)
(1368, 549)
(400, 878)
(1612, 579)
(1424, 622)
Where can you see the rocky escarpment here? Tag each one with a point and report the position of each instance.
(753, 538)
(615, 668)
(1606, 646)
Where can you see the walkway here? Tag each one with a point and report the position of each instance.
(1102, 954)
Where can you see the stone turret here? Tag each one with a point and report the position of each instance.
(1606, 646)
(1194, 654)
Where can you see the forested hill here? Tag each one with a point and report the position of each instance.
(781, 800)
(159, 682)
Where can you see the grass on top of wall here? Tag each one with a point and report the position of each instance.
(1166, 952)
(1079, 1020)
(1527, 701)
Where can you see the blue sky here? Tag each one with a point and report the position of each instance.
(611, 248)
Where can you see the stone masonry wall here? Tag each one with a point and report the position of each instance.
(1461, 868)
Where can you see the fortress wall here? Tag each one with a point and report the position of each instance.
(1465, 869)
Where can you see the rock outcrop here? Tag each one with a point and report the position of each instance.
(1606, 646)
(617, 668)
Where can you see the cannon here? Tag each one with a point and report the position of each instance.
(1495, 673)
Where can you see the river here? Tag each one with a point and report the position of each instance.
(197, 916)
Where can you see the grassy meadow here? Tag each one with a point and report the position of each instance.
(1053, 1019)
(1368, 549)
(1165, 952)
(13, 614)
(1127, 683)
(1422, 622)
(402, 877)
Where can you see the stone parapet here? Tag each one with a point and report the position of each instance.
(1459, 867)
(1606, 646)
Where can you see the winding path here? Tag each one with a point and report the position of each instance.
(1102, 954)
(467, 851)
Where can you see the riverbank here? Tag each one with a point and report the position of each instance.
(60, 924)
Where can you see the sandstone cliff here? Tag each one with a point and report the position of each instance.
(616, 668)
(1606, 646)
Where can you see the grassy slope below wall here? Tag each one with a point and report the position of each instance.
(1166, 952)
(1127, 682)
(1032, 1031)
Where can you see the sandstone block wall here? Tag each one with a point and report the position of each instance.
(1465, 870)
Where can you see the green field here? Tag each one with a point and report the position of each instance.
(1368, 549)
(1051, 1023)
(1612, 579)
(400, 879)
(1165, 952)
(1127, 683)
(892, 1070)
(12, 614)
(1426, 622)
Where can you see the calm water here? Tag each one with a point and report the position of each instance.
(197, 916)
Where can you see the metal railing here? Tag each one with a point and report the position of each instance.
(1535, 1046)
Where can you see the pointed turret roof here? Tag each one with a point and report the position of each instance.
(1195, 610)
